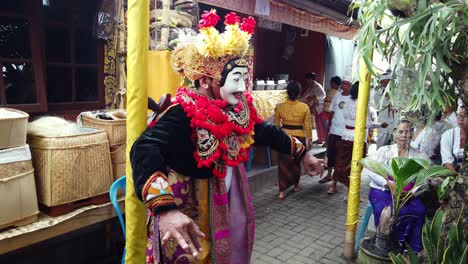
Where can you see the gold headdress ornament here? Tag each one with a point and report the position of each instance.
(209, 51)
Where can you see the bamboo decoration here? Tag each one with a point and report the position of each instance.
(137, 84)
(356, 169)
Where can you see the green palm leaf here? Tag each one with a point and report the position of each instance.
(435, 171)
(377, 167)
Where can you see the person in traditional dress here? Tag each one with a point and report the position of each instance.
(411, 219)
(385, 111)
(336, 121)
(324, 116)
(428, 141)
(452, 143)
(188, 166)
(314, 96)
(345, 144)
(294, 118)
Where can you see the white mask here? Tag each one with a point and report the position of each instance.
(234, 86)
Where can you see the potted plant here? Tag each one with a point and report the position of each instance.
(402, 171)
(429, 38)
(452, 249)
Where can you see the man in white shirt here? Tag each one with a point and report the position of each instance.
(452, 143)
(337, 126)
(386, 113)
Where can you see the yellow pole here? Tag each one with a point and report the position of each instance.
(360, 134)
(137, 98)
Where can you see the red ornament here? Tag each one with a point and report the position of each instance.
(209, 19)
(248, 25)
(208, 114)
(231, 19)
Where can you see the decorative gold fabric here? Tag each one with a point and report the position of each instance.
(266, 101)
(193, 65)
(294, 113)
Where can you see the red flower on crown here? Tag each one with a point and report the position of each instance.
(231, 19)
(209, 19)
(248, 25)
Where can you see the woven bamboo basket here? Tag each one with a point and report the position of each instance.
(13, 129)
(17, 188)
(118, 160)
(71, 168)
(116, 129)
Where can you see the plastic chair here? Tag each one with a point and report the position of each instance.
(362, 230)
(248, 164)
(114, 190)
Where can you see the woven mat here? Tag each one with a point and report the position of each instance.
(46, 221)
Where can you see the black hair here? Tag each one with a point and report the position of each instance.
(311, 75)
(355, 90)
(196, 83)
(438, 116)
(336, 80)
(293, 90)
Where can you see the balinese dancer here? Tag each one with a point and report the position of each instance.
(188, 166)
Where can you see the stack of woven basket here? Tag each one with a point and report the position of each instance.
(114, 123)
(72, 164)
(18, 197)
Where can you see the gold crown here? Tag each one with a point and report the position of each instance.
(209, 51)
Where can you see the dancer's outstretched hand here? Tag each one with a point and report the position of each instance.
(312, 165)
(176, 225)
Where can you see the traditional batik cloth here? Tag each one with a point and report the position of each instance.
(294, 117)
(346, 143)
(289, 170)
(192, 160)
(337, 127)
(411, 219)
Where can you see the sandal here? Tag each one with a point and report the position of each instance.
(326, 179)
(298, 188)
(282, 195)
(332, 190)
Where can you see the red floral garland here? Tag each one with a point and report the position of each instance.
(207, 113)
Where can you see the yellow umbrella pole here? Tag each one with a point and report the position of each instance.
(360, 134)
(137, 101)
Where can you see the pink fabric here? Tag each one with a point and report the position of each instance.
(233, 211)
(239, 222)
(407, 188)
(222, 234)
(220, 199)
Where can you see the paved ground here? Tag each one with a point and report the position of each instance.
(307, 227)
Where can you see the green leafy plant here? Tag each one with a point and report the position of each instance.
(445, 187)
(429, 42)
(439, 250)
(404, 171)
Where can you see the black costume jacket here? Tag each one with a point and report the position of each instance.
(169, 144)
